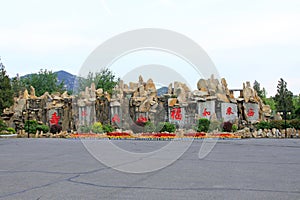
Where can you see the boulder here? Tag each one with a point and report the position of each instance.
(202, 85)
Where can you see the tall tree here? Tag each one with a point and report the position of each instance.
(284, 97)
(17, 86)
(260, 92)
(44, 81)
(104, 79)
(296, 102)
(6, 92)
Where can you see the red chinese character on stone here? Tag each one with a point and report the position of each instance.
(83, 113)
(250, 112)
(116, 118)
(205, 113)
(176, 114)
(229, 111)
(54, 119)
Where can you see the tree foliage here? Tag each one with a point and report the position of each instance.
(270, 101)
(296, 103)
(17, 86)
(104, 79)
(284, 97)
(43, 81)
(6, 92)
(260, 92)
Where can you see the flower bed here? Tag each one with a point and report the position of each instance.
(158, 135)
(196, 135)
(86, 135)
(119, 135)
(225, 135)
(154, 136)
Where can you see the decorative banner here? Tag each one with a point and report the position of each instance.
(252, 111)
(229, 111)
(206, 109)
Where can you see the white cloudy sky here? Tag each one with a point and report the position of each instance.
(247, 40)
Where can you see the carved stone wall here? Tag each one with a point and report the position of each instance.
(129, 103)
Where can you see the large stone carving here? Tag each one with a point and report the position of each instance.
(212, 100)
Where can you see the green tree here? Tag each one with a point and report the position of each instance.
(104, 79)
(284, 97)
(270, 101)
(44, 81)
(17, 86)
(260, 92)
(296, 103)
(6, 92)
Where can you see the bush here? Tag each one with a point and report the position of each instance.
(167, 127)
(278, 124)
(203, 125)
(3, 126)
(97, 127)
(263, 125)
(84, 129)
(107, 128)
(43, 128)
(55, 128)
(30, 126)
(295, 123)
(227, 126)
(234, 128)
(11, 130)
(149, 127)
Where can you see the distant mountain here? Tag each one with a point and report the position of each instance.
(69, 79)
(161, 91)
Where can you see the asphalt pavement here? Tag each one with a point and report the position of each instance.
(234, 169)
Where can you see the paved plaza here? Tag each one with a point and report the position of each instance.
(234, 169)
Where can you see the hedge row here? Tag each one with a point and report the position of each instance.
(279, 124)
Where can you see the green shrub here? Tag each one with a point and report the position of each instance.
(43, 128)
(235, 128)
(107, 128)
(30, 126)
(295, 123)
(227, 126)
(149, 127)
(203, 125)
(278, 124)
(97, 127)
(3, 126)
(263, 125)
(84, 129)
(11, 130)
(167, 127)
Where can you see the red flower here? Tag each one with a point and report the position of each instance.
(195, 134)
(117, 134)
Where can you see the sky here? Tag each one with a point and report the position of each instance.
(246, 40)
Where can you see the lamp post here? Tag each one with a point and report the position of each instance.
(28, 123)
(285, 113)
